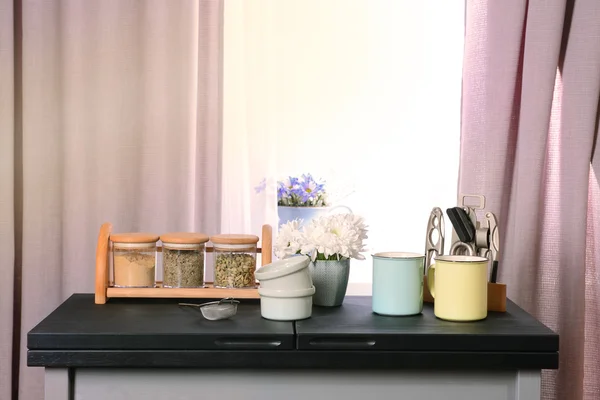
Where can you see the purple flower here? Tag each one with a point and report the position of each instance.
(282, 191)
(261, 186)
(310, 189)
(287, 188)
(301, 192)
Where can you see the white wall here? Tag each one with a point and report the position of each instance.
(365, 94)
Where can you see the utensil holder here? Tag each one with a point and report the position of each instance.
(103, 290)
(496, 296)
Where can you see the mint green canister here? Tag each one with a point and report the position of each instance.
(398, 283)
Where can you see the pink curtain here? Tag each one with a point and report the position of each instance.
(110, 110)
(530, 121)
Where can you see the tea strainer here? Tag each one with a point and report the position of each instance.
(216, 310)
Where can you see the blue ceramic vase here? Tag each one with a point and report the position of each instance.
(287, 213)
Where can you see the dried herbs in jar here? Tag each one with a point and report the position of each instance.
(183, 259)
(235, 260)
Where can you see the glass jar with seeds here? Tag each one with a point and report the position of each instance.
(234, 260)
(134, 259)
(183, 259)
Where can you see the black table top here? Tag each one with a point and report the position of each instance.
(159, 333)
(354, 326)
(149, 324)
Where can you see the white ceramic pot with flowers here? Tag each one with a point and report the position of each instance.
(303, 198)
(330, 241)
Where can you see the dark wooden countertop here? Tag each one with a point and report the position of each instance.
(122, 324)
(159, 333)
(354, 326)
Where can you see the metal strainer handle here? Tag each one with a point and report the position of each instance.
(225, 300)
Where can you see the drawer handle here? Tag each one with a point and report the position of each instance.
(248, 343)
(343, 342)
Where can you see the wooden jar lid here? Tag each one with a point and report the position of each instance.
(184, 238)
(227, 238)
(134, 237)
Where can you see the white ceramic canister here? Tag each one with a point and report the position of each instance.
(286, 274)
(286, 305)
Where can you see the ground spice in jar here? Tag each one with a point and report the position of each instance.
(235, 260)
(134, 259)
(183, 259)
(134, 268)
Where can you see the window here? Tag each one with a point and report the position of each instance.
(365, 94)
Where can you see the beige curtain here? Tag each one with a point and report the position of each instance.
(120, 109)
(530, 144)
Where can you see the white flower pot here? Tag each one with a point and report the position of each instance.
(286, 305)
(287, 274)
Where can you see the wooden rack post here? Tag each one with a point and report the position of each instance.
(103, 291)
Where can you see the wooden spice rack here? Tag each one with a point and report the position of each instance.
(103, 290)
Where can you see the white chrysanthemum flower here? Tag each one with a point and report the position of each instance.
(334, 236)
(289, 240)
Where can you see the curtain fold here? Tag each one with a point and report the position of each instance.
(530, 110)
(249, 137)
(591, 383)
(7, 206)
(121, 107)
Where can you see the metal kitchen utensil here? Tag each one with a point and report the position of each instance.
(470, 236)
(461, 223)
(486, 242)
(216, 310)
(435, 225)
(494, 273)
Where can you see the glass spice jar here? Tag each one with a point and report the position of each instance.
(183, 259)
(134, 259)
(234, 260)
